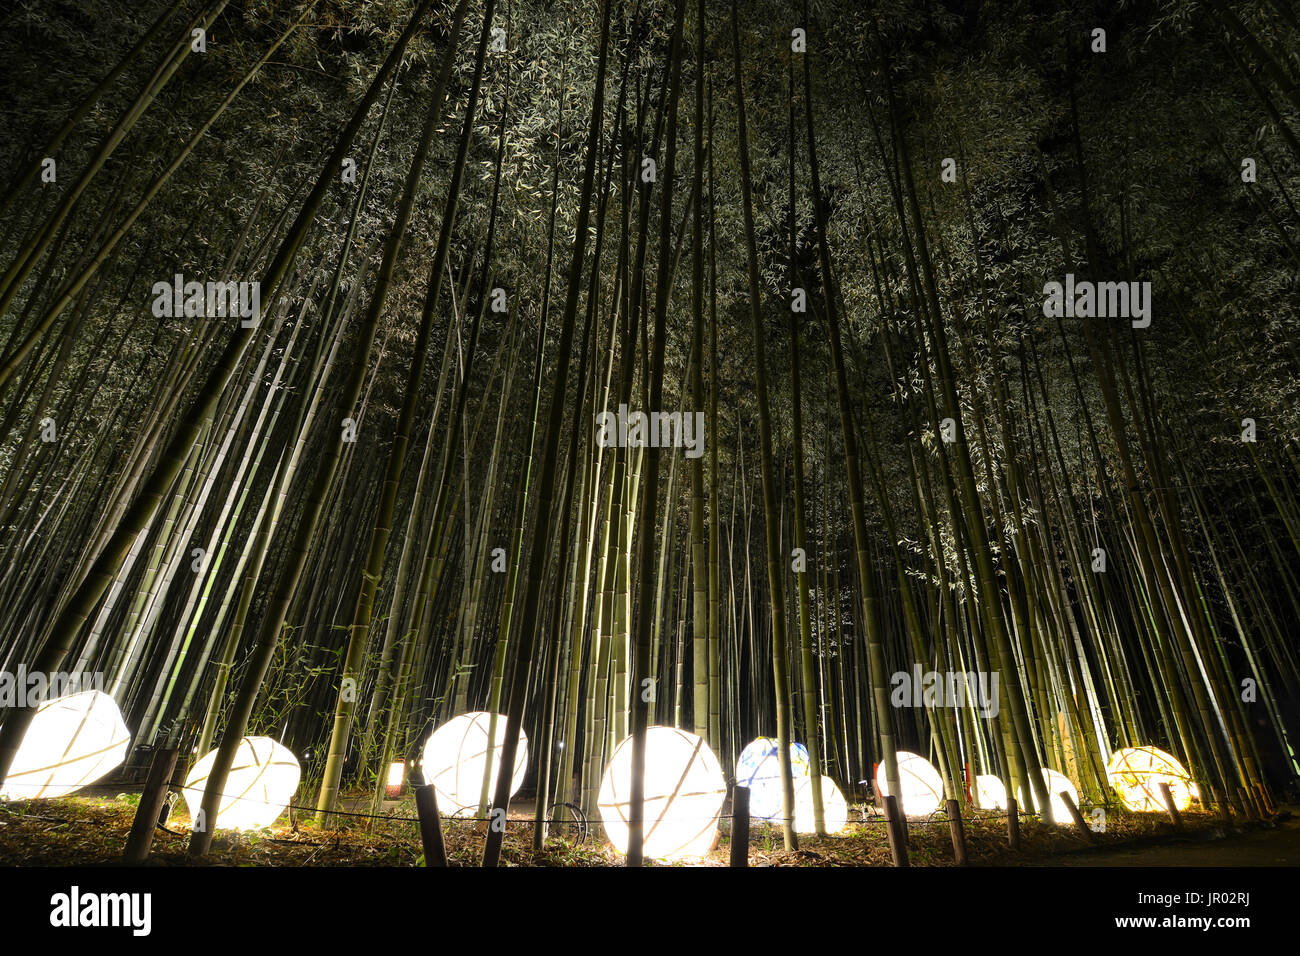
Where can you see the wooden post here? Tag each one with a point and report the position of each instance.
(897, 832)
(904, 832)
(1079, 821)
(1168, 796)
(426, 805)
(740, 826)
(958, 832)
(151, 803)
(1013, 823)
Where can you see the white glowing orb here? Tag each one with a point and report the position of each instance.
(1056, 782)
(759, 769)
(1137, 772)
(456, 755)
(835, 809)
(921, 783)
(990, 793)
(684, 791)
(72, 741)
(262, 780)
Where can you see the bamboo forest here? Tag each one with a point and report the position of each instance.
(796, 433)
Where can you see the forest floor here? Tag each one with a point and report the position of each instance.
(91, 830)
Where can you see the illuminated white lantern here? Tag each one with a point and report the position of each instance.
(1056, 782)
(921, 783)
(990, 794)
(835, 810)
(262, 780)
(1137, 772)
(759, 769)
(456, 755)
(71, 741)
(684, 792)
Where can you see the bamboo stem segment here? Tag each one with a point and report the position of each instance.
(897, 831)
(151, 804)
(1265, 801)
(1247, 805)
(1077, 816)
(958, 831)
(1221, 804)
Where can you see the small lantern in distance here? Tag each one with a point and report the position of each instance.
(990, 792)
(1056, 782)
(396, 776)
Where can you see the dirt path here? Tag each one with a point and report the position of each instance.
(1279, 847)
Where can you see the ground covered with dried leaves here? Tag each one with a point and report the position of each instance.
(92, 830)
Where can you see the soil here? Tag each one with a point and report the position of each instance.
(85, 830)
(1269, 847)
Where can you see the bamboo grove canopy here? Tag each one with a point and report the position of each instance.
(914, 380)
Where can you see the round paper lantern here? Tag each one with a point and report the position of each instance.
(759, 769)
(71, 741)
(835, 810)
(684, 791)
(990, 794)
(921, 783)
(262, 780)
(1137, 772)
(1056, 782)
(456, 755)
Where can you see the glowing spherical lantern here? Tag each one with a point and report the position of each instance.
(684, 791)
(456, 755)
(835, 810)
(262, 780)
(921, 783)
(990, 794)
(1056, 782)
(759, 769)
(71, 741)
(1137, 772)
